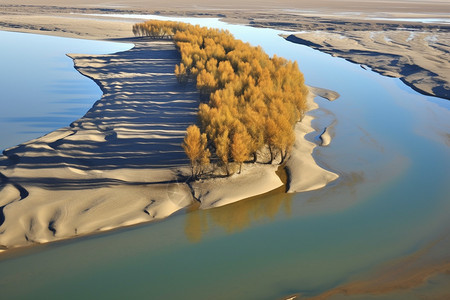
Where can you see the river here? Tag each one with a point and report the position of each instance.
(41, 91)
(391, 148)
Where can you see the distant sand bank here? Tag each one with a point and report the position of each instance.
(421, 59)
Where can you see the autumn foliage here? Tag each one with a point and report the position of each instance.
(194, 145)
(252, 101)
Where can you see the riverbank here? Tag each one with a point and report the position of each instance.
(122, 163)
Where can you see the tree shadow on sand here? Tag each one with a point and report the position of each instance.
(139, 122)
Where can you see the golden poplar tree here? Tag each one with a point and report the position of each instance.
(180, 73)
(271, 132)
(194, 145)
(222, 143)
(206, 82)
(240, 146)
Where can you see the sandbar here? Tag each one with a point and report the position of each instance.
(122, 163)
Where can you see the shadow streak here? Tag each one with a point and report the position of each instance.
(139, 122)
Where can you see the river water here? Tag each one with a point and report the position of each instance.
(40, 89)
(391, 148)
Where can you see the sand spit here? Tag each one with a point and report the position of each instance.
(304, 174)
(122, 163)
(324, 93)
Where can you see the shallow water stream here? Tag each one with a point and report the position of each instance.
(391, 147)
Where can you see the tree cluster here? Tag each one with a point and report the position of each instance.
(158, 29)
(252, 101)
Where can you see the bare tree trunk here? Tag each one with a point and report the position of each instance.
(271, 154)
(226, 169)
(283, 156)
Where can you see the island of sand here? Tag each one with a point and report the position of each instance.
(122, 163)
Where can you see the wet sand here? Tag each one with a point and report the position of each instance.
(395, 278)
(419, 57)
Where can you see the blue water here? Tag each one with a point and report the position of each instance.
(421, 20)
(41, 91)
(391, 149)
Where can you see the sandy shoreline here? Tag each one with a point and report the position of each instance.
(122, 163)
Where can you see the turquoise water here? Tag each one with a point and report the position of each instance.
(391, 148)
(41, 91)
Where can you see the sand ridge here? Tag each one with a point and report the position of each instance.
(203, 6)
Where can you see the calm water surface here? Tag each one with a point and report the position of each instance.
(40, 89)
(391, 148)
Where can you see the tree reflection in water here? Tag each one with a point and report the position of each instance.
(239, 215)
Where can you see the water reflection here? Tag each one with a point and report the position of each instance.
(237, 216)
